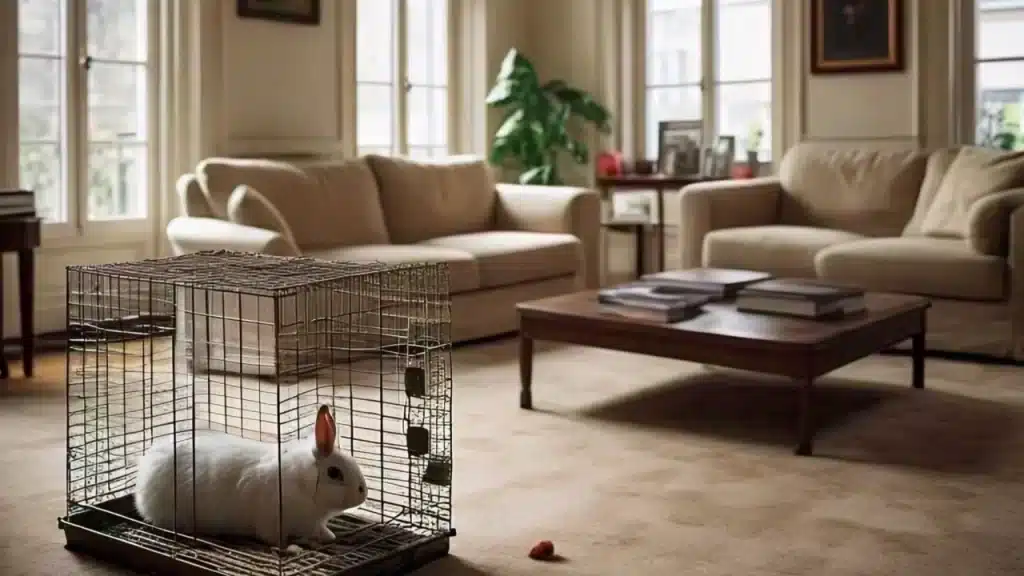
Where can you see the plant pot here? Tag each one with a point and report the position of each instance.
(753, 163)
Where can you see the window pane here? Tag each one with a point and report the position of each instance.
(39, 26)
(1000, 30)
(40, 167)
(428, 116)
(669, 104)
(118, 178)
(375, 41)
(39, 99)
(1000, 98)
(427, 42)
(673, 42)
(744, 40)
(117, 29)
(744, 109)
(375, 124)
(118, 105)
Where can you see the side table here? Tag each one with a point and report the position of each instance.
(608, 185)
(21, 235)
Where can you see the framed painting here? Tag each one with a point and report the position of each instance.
(850, 36)
(679, 146)
(294, 11)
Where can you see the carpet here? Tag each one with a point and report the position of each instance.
(640, 466)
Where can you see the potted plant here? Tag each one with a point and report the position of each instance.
(753, 147)
(540, 121)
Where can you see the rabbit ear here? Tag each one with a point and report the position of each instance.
(325, 431)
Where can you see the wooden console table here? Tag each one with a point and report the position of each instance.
(608, 185)
(21, 235)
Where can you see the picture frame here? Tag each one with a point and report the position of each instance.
(723, 152)
(852, 36)
(679, 147)
(306, 12)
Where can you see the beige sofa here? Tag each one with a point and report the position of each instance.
(503, 243)
(946, 224)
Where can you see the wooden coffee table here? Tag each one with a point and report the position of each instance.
(796, 348)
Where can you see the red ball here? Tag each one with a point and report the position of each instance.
(542, 550)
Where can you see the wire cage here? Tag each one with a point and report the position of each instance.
(249, 346)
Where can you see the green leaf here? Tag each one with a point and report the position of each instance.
(503, 93)
(540, 175)
(502, 149)
(513, 123)
(580, 152)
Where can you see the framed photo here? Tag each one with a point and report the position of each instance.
(723, 152)
(856, 36)
(294, 11)
(679, 146)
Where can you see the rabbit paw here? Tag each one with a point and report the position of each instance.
(324, 534)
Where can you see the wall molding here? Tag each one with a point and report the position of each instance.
(9, 97)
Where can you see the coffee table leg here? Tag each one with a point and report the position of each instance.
(917, 356)
(525, 372)
(805, 438)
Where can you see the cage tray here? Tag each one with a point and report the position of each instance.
(113, 533)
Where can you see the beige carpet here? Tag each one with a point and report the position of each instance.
(635, 466)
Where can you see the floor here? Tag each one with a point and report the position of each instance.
(637, 466)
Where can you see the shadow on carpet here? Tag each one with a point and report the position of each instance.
(857, 421)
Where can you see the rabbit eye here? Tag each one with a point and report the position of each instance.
(334, 473)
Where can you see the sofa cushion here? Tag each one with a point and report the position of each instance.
(250, 208)
(869, 192)
(463, 273)
(319, 215)
(507, 257)
(441, 197)
(779, 250)
(938, 164)
(937, 267)
(975, 173)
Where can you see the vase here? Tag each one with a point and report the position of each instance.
(753, 163)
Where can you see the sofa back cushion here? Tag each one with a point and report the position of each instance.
(430, 199)
(324, 203)
(869, 192)
(939, 161)
(974, 173)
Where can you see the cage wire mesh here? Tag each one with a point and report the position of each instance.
(250, 345)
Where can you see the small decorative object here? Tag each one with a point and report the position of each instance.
(856, 36)
(753, 148)
(542, 120)
(294, 11)
(644, 167)
(679, 144)
(271, 384)
(724, 152)
(609, 163)
(709, 162)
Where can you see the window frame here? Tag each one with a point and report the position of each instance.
(74, 137)
(401, 85)
(709, 83)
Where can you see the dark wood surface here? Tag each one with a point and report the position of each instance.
(21, 235)
(797, 348)
(607, 185)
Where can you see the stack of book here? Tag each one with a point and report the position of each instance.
(17, 204)
(717, 283)
(646, 302)
(800, 298)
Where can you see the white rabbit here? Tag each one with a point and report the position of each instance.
(236, 485)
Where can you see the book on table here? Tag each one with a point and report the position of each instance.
(718, 283)
(17, 204)
(799, 297)
(643, 301)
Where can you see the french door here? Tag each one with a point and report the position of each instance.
(86, 103)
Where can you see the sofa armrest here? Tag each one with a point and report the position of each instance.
(555, 209)
(988, 222)
(187, 234)
(710, 206)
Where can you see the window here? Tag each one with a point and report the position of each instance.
(87, 162)
(735, 98)
(402, 77)
(999, 68)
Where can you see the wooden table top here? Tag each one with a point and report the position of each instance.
(628, 181)
(721, 323)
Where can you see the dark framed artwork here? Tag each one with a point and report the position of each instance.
(856, 36)
(295, 11)
(679, 146)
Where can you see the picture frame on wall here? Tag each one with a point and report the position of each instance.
(851, 36)
(306, 12)
(679, 147)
